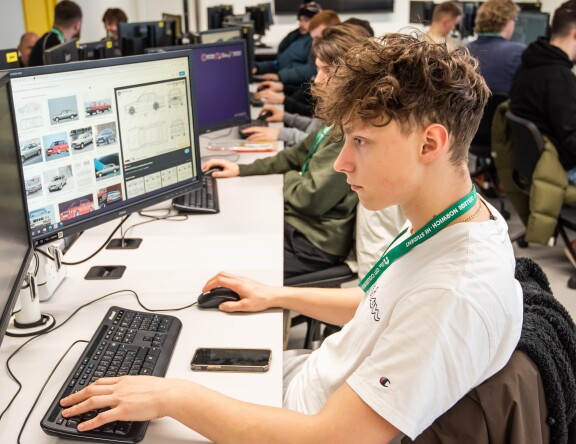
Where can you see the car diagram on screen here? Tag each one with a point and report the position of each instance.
(175, 97)
(153, 134)
(29, 108)
(146, 102)
(177, 129)
(30, 122)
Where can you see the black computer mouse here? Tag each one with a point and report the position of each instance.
(214, 297)
(265, 114)
(211, 170)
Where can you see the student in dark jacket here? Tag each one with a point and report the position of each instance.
(67, 25)
(544, 87)
(293, 64)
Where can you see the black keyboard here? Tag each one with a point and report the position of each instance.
(126, 342)
(201, 201)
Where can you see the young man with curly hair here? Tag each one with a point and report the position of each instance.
(438, 314)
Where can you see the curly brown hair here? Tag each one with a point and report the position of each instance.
(493, 15)
(408, 79)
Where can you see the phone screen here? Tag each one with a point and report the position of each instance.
(231, 358)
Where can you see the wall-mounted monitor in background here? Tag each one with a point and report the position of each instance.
(421, 12)
(529, 6)
(530, 26)
(9, 59)
(177, 19)
(100, 139)
(216, 15)
(15, 246)
(102, 49)
(341, 6)
(220, 35)
(62, 53)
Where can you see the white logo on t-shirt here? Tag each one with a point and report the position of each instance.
(373, 304)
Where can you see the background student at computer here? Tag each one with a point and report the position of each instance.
(67, 26)
(297, 98)
(320, 207)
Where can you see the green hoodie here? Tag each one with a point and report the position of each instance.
(319, 203)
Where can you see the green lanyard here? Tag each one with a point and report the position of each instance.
(323, 132)
(59, 34)
(426, 232)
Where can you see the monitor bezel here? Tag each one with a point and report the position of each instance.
(141, 202)
(8, 308)
(70, 44)
(217, 31)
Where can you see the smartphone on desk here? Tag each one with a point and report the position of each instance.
(231, 359)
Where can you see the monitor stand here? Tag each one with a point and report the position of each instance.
(29, 321)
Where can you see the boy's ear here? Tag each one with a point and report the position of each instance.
(435, 142)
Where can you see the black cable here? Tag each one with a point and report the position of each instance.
(93, 254)
(44, 386)
(64, 322)
(166, 216)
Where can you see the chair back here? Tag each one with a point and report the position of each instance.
(482, 141)
(527, 146)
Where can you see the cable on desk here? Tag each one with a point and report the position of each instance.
(232, 157)
(44, 386)
(168, 216)
(93, 254)
(64, 323)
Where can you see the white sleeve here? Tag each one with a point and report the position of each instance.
(435, 349)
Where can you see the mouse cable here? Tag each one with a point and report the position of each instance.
(93, 254)
(65, 321)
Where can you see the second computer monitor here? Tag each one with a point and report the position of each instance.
(135, 37)
(220, 85)
(63, 53)
(220, 35)
(530, 26)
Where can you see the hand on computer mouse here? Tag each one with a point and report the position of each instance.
(269, 96)
(262, 87)
(217, 296)
(254, 295)
(262, 133)
(264, 114)
(222, 168)
(276, 114)
(212, 170)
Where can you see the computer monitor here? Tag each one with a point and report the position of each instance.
(421, 12)
(530, 26)
(290, 7)
(268, 14)
(248, 36)
(102, 49)
(220, 35)
(529, 6)
(103, 138)
(62, 53)
(259, 17)
(177, 19)
(9, 59)
(134, 37)
(15, 247)
(216, 15)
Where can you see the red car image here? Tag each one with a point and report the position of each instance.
(77, 208)
(98, 107)
(57, 147)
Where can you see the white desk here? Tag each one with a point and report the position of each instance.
(168, 270)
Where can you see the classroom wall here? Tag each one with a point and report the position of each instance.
(12, 18)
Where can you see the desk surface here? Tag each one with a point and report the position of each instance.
(168, 270)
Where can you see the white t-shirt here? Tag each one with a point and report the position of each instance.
(438, 322)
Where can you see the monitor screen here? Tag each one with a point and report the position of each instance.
(248, 36)
(15, 247)
(216, 15)
(102, 138)
(267, 8)
(102, 49)
(530, 26)
(135, 37)
(220, 35)
(220, 85)
(62, 53)
(341, 6)
(9, 59)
